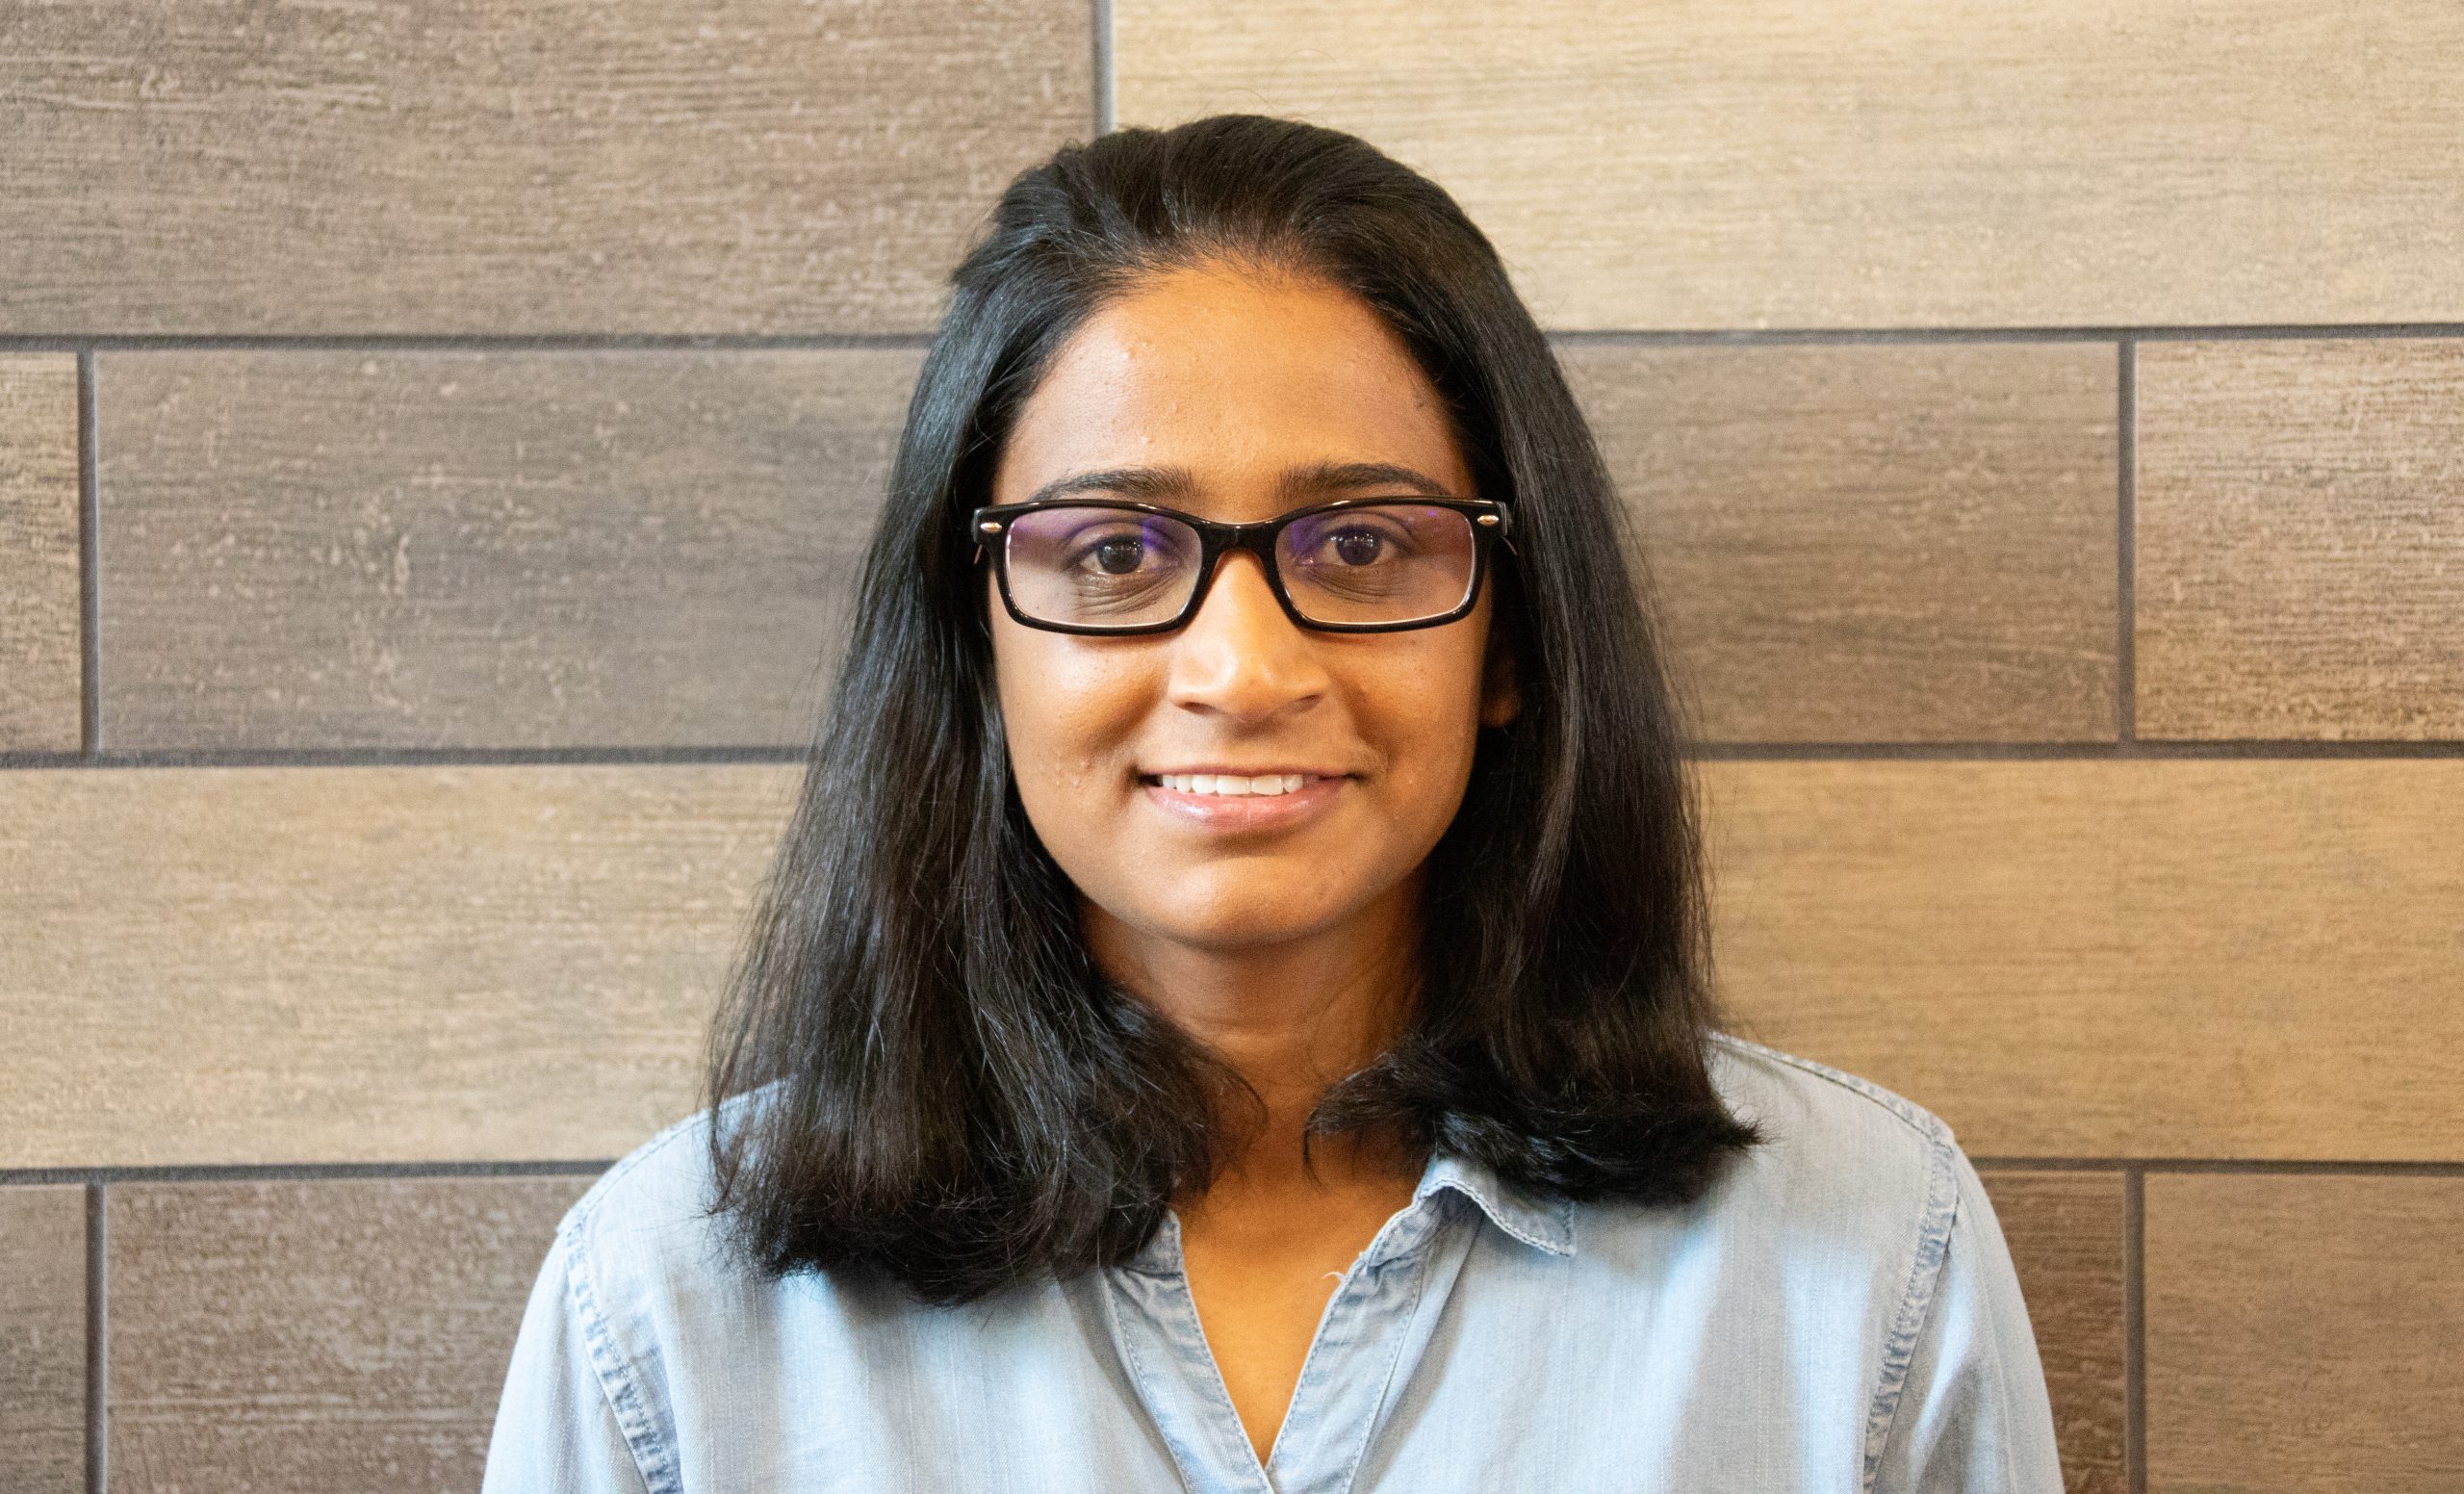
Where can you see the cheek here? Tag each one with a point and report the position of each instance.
(1427, 711)
(1069, 708)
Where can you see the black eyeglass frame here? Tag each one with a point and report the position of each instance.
(1491, 521)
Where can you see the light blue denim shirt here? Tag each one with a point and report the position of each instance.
(1838, 1313)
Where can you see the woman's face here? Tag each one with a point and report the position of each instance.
(1242, 392)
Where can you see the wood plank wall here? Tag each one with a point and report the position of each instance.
(433, 441)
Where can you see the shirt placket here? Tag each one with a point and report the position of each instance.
(1369, 1340)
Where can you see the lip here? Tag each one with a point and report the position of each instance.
(1223, 813)
(1259, 771)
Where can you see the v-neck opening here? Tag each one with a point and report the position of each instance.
(1371, 1256)
(1367, 1339)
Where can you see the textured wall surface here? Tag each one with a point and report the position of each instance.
(436, 443)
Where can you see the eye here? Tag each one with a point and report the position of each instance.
(1113, 551)
(1358, 547)
(1356, 542)
(1119, 555)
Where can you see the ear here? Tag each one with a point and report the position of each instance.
(1500, 702)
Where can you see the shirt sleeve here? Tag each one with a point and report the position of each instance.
(1973, 1417)
(555, 1432)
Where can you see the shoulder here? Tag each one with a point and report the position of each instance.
(654, 1207)
(1807, 1105)
(640, 1290)
(649, 1268)
(1848, 1170)
(1847, 1214)
(1868, 1197)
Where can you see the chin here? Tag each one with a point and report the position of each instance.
(1226, 931)
(1228, 920)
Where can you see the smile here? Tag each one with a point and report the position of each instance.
(1244, 802)
(1233, 785)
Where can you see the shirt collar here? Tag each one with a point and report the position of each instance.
(1543, 1224)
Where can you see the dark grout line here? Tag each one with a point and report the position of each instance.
(1708, 752)
(1106, 114)
(329, 1171)
(461, 342)
(2310, 331)
(97, 1178)
(2291, 1167)
(90, 550)
(97, 1341)
(2134, 1328)
(2243, 1165)
(1713, 337)
(1107, 100)
(2039, 752)
(412, 756)
(2126, 548)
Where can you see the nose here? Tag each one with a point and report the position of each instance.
(1242, 656)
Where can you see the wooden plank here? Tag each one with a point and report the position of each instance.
(2065, 958)
(515, 165)
(2300, 545)
(377, 964)
(301, 1337)
(2183, 958)
(2064, 1231)
(43, 1340)
(1773, 164)
(2302, 1333)
(1883, 543)
(42, 628)
(446, 548)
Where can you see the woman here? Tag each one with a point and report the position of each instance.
(1229, 1012)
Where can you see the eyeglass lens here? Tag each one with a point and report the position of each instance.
(1113, 567)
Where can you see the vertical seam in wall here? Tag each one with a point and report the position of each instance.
(97, 1341)
(1107, 109)
(2126, 548)
(89, 652)
(2134, 1328)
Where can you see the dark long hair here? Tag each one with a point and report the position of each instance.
(952, 1093)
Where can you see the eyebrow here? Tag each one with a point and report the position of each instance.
(1157, 484)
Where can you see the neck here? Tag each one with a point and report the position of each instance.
(1290, 1018)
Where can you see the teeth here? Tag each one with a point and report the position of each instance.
(1233, 784)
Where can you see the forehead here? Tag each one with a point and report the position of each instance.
(1236, 378)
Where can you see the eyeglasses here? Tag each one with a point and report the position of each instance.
(1355, 565)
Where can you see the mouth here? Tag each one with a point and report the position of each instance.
(1267, 785)
(1273, 799)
